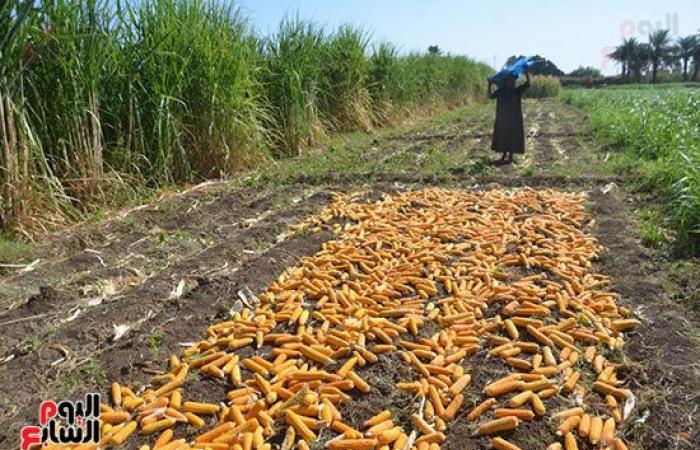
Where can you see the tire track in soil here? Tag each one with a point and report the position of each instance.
(28, 376)
(117, 248)
(74, 253)
(80, 253)
(226, 218)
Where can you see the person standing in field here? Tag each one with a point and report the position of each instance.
(508, 131)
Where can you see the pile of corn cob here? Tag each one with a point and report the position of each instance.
(504, 275)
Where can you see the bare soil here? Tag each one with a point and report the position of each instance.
(171, 268)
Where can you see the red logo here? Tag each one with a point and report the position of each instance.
(65, 422)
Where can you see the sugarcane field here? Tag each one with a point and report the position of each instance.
(251, 226)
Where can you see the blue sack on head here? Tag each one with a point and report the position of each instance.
(516, 69)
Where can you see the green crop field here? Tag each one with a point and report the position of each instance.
(658, 133)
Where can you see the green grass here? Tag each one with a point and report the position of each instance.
(89, 373)
(527, 171)
(344, 154)
(106, 101)
(377, 153)
(650, 86)
(652, 235)
(154, 342)
(543, 87)
(683, 282)
(652, 232)
(291, 76)
(14, 251)
(658, 136)
(31, 344)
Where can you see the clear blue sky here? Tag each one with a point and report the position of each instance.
(570, 33)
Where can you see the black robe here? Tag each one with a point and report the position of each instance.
(508, 131)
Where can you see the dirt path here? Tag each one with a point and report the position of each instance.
(168, 270)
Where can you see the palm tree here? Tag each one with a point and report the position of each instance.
(639, 59)
(686, 47)
(624, 53)
(659, 50)
(696, 57)
(616, 56)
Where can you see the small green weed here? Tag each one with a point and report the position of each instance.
(154, 342)
(652, 235)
